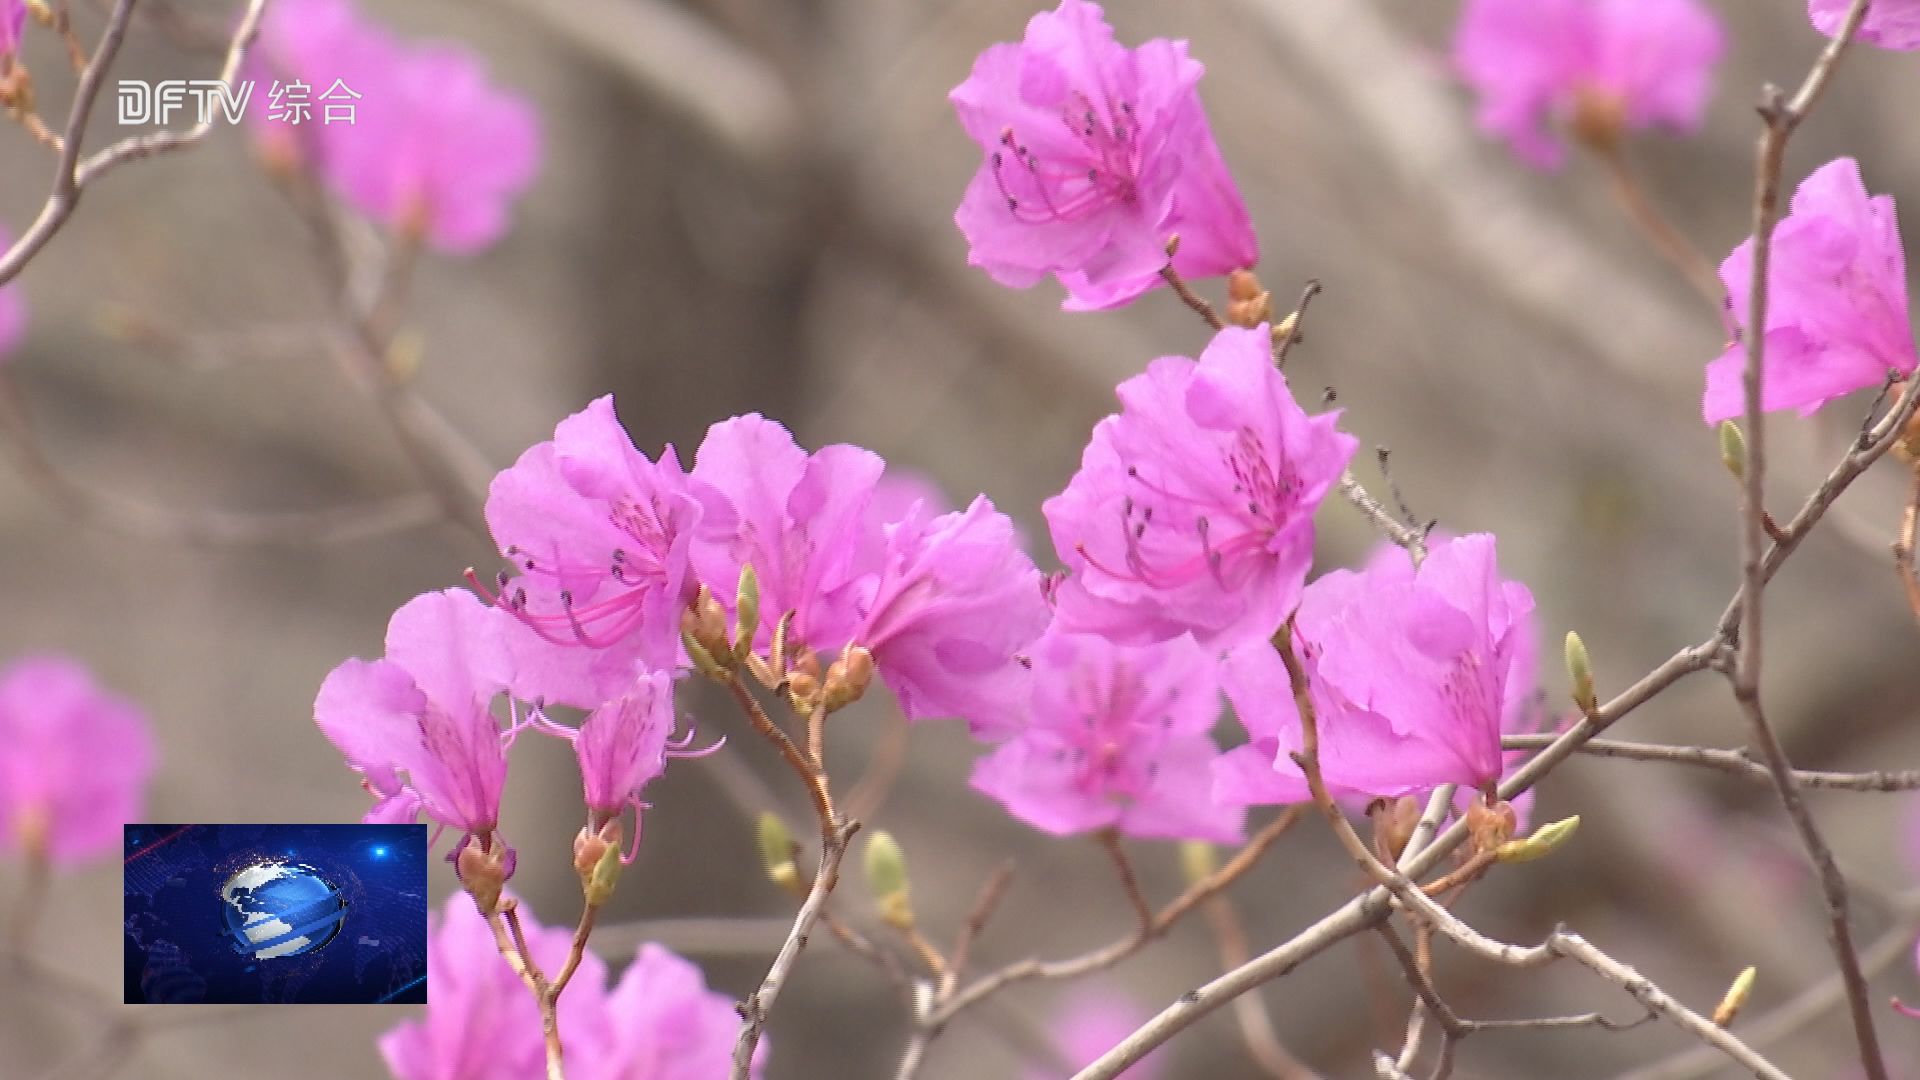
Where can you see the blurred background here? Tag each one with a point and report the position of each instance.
(747, 205)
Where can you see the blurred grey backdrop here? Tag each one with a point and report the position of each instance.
(746, 205)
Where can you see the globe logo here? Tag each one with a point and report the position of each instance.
(275, 909)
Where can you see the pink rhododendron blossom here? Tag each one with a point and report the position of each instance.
(1837, 306)
(1193, 507)
(659, 1022)
(623, 743)
(432, 146)
(1115, 737)
(1090, 1023)
(801, 520)
(418, 724)
(954, 601)
(13, 310)
(74, 760)
(602, 536)
(1890, 24)
(1627, 64)
(1413, 675)
(1095, 155)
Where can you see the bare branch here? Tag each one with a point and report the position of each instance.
(759, 1004)
(1739, 762)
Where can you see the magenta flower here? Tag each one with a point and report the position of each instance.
(954, 602)
(603, 537)
(1890, 24)
(623, 744)
(802, 521)
(1095, 155)
(13, 310)
(481, 1023)
(419, 140)
(666, 1024)
(1837, 308)
(418, 724)
(1116, 737)
(438, 149)
(1193, 508)
(1262, 770)
(1629, 64)
(74, 760)
(1092, 1022)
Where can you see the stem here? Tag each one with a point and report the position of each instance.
(759, 1004)
(796, 759)
(1674, 247)
(1129, 881)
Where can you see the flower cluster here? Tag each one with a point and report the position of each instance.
(1599, 66)
(658, 1021)
(433, 149)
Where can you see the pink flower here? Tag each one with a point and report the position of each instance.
(13, 310)
(659, 1022)
(418, 724)
(1414, 676)
(431, 145)
(1095, 154)
(1890, 24)
(1615, 63)
(1193, 508)
(1092, 1022)
(666, 1024)
(481, 1023)
(74, 760)
(603, 538)
(1837, 308)
(802, 521)
(1116, 737)
(954, 601)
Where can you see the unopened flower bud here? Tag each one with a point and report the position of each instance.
(41, 13)
(848, 678)
(1248, 304)
(886, 868)
(484, 865)
(1580, 670)
(1733, 449)
(1545, 841)
(597, 886)
(1736, 997)
(405, 355)
(803, 690)
(1198, 861)
(746, 608)
(704, 623)
(591, 850)
(776, 852)
(1393, 825)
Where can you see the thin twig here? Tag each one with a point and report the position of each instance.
(1250, 1014)
(1129, 881)
(795, 758)
(1739, 762)
(1189, 297)
(985, 903)
(1672, 245)
(1284, 343)
(755, 1010)
(1903, 546)
(1781, 117)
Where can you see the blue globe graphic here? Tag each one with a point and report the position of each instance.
(275, 909)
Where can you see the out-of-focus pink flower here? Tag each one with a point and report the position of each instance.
(666, 1024)
(481, 1023)
(954, 601)
(659, 1022)
(1115, 737)
(602, 536)
(801, 520)
(1837, 307)
(1193, 508)
(1604, 65)
(13, 310)
(418, 724)
(1095, 154)
(1890, 24)
(74, 760)
(1092, 1022)
(431, 147)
